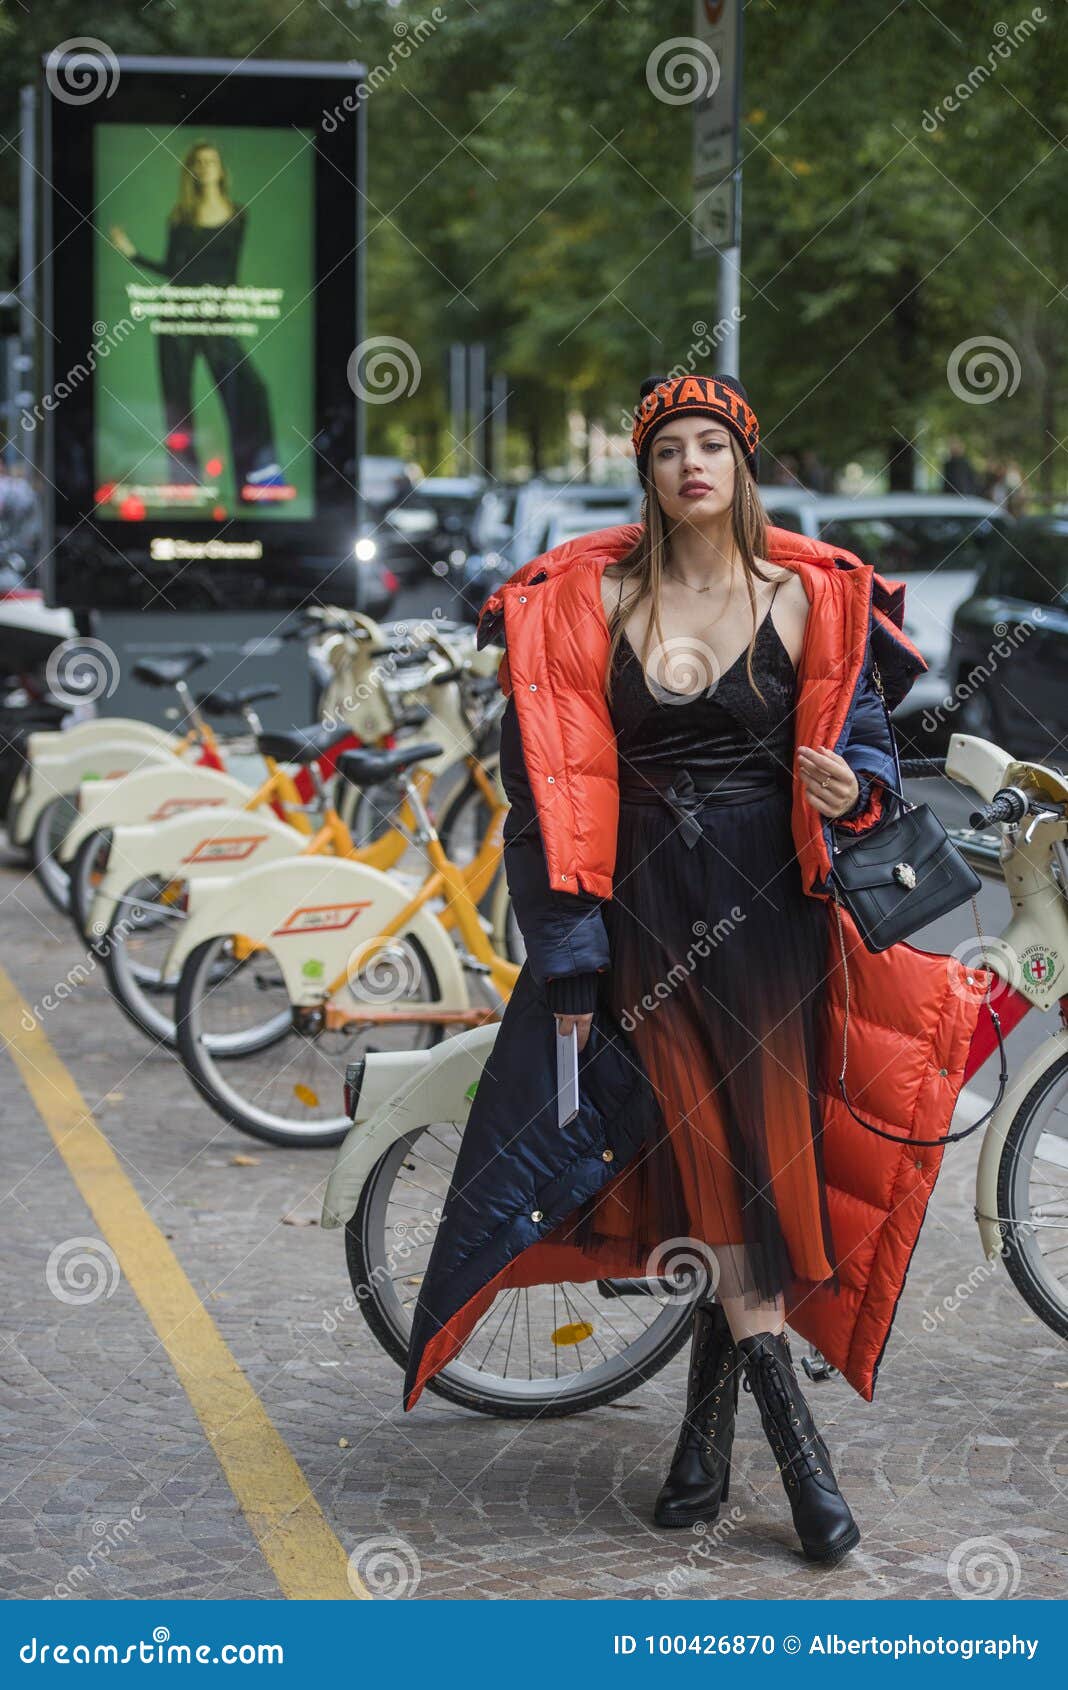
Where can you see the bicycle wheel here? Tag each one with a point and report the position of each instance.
(84, 876)
(291, 1091)
(1033, 1198)
(466, 816)
(542, 1350)
(368, 812)
(462, 829)
(134, 952)
(52, 826)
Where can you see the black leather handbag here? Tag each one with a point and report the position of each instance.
(894, 878)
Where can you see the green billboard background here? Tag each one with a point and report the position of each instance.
(257, 408)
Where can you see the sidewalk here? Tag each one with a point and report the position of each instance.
(112, 1488)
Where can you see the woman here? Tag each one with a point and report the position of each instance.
(667, 850)
(205, 235)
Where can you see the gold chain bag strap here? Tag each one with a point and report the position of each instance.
(898, 1138)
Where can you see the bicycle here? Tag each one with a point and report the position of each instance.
(344, 951)
(141, 893)
(525, 1357)
(43, 805)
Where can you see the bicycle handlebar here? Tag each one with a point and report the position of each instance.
(1008, 805)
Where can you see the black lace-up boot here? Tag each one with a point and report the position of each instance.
(821, 1514)
(700, 1471)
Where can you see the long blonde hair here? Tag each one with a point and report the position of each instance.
(187, 204)
(644, 563)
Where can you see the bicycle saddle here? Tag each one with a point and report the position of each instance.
(367, 766)
(302, 745)
(221, 703)
(168, 671)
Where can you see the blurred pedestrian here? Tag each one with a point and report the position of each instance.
(814, 473)
(958, 471)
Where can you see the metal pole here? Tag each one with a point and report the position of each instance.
(457, 399)
(499, 424)
(27, 264)
(477, 378)
(730, 274)
(361, 318)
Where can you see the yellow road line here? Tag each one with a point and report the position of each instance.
(301, 1550)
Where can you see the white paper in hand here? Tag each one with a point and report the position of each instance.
(567, 1090)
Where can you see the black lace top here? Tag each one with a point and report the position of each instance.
(717, 728)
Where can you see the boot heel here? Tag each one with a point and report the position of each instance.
(699, 1477)
(822, 1518)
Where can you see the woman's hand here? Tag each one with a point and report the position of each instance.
(830, 785)
(583, 1023)
(122, 240)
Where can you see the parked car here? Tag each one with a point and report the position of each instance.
(568, 524)
(29, 634)
(1008, 661)
(542, 509)
(385, 481)
(494, 518)
(936, 543)
(540, 498)
(436, 520)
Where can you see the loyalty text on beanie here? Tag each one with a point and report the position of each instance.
(717, 396)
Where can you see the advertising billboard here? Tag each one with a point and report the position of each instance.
(202, 238)
(205, 408)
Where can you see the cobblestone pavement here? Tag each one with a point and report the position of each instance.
(111, 1489)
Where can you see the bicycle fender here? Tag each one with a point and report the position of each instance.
(211, 844)
(401, 1091)
(986, 1178)
(150, 795)
(84, 736)
(313, 914)
(61, 774)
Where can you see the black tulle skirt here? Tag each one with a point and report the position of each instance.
(718, 966)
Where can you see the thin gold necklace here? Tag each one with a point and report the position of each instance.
(706, 589)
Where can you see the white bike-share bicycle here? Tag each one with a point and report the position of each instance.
(564, 1348)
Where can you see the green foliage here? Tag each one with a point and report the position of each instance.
(528, 189)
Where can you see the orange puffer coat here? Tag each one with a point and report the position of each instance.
(912, 1013)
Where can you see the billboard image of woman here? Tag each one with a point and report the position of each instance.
(192, 424)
